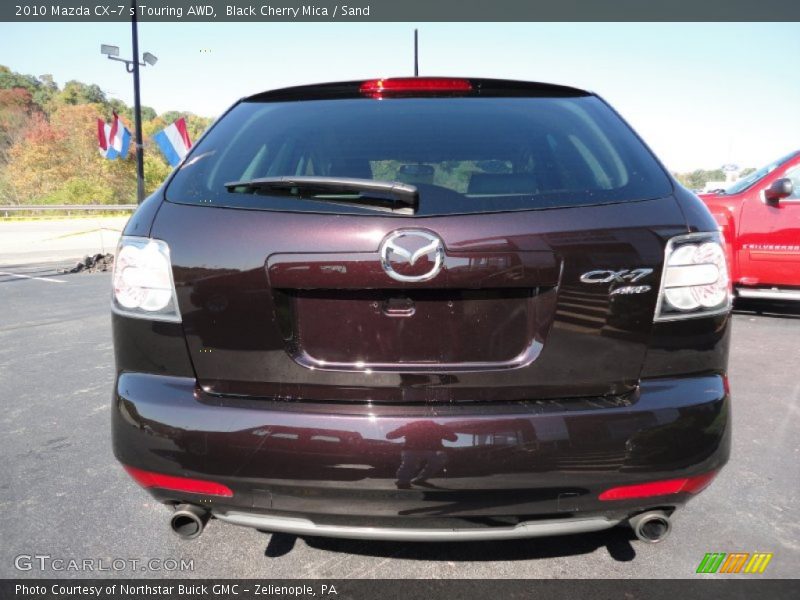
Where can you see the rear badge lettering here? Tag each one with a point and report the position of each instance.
(630, 289)
(621, 276)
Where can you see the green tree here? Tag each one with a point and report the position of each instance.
(745, 172)
(122, 109)
(156, 170)
(9, 79)
(46, 92)
(698, 178)
(148, 113)
(75, 92)
(7, 197)
(196, 126)
(81, 190)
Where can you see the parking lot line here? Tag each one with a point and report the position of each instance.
(50, 279)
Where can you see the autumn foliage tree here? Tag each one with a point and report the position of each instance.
(15, 110)
(48, 144)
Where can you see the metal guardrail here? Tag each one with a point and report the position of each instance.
(68, 208)
(78, 207)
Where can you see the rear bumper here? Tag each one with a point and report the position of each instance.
(520, 470)
(408, 532)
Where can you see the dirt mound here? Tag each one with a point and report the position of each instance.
(92, 264)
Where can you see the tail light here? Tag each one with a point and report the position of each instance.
(687, 485)
(142, 280)
(148, 479)
(695, 281)
(377, 88)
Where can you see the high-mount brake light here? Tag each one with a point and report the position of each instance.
(377, 88)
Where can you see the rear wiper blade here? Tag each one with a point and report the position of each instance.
(390, 196)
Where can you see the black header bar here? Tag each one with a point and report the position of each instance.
(400, 10)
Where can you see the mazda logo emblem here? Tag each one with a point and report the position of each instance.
(408, 246)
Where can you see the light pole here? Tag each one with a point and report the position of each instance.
(132, 66)
(416, 55)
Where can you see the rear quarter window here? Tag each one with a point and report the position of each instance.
(465, 155)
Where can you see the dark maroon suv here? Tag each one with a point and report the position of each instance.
(422, 309)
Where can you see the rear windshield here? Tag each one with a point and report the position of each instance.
(464, 155)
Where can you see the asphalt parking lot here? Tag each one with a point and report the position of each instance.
(62, 493)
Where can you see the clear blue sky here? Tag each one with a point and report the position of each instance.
(700, 94)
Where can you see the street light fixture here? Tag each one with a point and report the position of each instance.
(109, 50)
(112, 53)
(132, 66)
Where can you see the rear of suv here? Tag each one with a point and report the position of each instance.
(422, 309)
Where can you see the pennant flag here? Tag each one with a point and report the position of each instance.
(104, 138)
(121, 137)
(174, 141)
(113, 140)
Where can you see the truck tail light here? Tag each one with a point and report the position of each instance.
(695, 281)
(142, 282)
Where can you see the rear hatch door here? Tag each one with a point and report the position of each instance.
(504, 282)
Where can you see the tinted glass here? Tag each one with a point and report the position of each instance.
(794, 175)
(758, 175)
(463, 154)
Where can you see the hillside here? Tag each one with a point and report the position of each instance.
(48, 143)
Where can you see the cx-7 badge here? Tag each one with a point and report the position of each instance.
(621, 276)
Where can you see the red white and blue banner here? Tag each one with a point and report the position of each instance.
(113, 138)
(174, 141)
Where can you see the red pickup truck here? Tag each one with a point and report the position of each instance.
(760, 218)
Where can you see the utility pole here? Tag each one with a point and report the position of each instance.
(137, 107)
(132, 66)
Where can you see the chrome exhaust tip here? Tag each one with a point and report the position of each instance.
(652, 526)
(188, 521)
